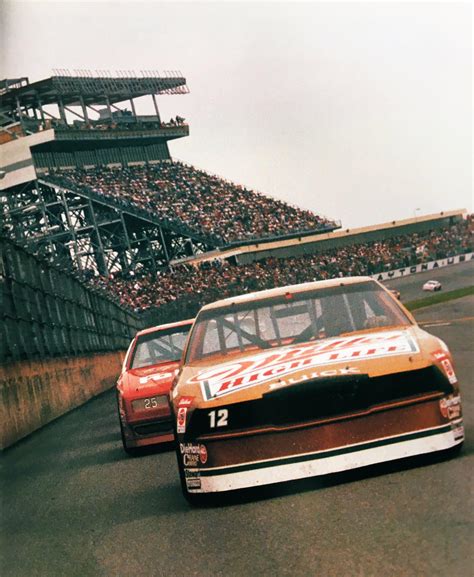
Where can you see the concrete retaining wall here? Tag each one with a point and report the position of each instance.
(33, 393)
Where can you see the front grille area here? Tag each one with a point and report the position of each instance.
(154, 428)
(322, 398)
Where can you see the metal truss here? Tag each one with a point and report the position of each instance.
(103, 82)
(78, 231)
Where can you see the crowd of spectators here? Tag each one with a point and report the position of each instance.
(125, 122)
(188, 287)
(218, 211)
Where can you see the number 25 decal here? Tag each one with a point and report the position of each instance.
(218, 418)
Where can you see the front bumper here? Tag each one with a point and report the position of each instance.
(272, 457)
(144, 433)
(322, 463)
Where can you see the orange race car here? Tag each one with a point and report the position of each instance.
(307, 380)
(150, 365)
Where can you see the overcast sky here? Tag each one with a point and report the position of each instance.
(357, 111)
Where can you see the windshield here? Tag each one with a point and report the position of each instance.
(159, 347)
(293, 318)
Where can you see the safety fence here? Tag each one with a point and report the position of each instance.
(49, 313)
(179, 310)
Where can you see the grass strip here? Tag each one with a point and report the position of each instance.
(439, 297)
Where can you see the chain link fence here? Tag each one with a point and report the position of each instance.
(49, 313)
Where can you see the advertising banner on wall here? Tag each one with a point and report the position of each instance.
(432, 265)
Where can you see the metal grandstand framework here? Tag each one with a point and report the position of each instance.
(94, 121)
(90, 233)
(80, 120)
(56, 101)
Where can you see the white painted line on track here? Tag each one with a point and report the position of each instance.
(445, 322)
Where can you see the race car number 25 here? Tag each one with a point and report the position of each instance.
(219, 418)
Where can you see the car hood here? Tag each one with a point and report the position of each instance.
(154, 379)
(249, 376)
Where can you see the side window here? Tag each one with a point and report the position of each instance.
(142, 355)
(210, 338)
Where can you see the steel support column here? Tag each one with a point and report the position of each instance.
(84, 109)
(99, 254)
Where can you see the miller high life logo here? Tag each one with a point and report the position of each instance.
(185, 401)
(225, 379)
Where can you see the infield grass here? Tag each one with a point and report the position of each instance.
(439, 297)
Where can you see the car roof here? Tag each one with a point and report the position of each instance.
(164, 327)
(296, 288)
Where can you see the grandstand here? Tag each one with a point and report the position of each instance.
(89, 183)
(182, 291)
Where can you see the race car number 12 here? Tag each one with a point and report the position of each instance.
(218, 418)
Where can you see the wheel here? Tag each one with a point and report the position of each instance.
(455, 451)
(132, 451)
(194, 499)
(190, 497)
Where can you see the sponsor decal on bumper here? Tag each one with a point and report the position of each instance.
(193, 455)
(266, 472)
(450, 407)
(193, 479)
(458, 430)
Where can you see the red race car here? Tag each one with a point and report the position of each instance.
(150, 365)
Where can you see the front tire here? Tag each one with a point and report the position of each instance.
(194, 499)
(131, 451)
(190, 498)
(455, 451)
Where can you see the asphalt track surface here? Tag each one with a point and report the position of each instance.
(75, 505)
(451, 277)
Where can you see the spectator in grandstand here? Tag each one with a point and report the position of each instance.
(215, 209)
(189, 286)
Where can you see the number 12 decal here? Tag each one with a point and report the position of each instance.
(218, 418)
